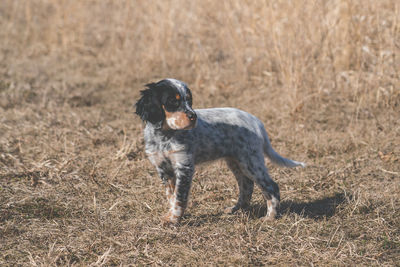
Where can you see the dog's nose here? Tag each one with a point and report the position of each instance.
(192, 115)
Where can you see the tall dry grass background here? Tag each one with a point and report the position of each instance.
(76, 189)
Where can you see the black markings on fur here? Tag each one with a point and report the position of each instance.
(166, 170)
(275, 190)
(148, 107)
(157, 97)
(241, 139)
(184, 178)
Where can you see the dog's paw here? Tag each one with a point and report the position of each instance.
(271, 216)
(231, 210)
(237, 207)
(170, 219)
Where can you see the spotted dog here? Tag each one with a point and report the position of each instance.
(178, 137)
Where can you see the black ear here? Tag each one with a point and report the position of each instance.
(148, 106)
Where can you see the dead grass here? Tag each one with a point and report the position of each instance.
(76, 188)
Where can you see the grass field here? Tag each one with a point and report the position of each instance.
(76, 188)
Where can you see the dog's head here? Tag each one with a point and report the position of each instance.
(168, 103)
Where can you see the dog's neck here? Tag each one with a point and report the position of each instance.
(159, 129)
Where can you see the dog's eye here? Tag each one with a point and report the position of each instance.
(173, 102)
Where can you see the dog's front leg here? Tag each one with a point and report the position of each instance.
(180, 187)
(167, 175)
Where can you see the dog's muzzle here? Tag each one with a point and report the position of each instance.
(192, 116)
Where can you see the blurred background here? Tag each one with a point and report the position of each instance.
(301, 49)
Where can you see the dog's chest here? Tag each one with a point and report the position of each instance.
(157, 158)
(159, 150)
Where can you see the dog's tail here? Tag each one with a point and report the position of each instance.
(278, 159)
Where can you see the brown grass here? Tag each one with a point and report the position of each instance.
(76, 188)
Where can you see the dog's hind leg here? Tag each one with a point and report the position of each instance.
(245, 184)
(253, 166)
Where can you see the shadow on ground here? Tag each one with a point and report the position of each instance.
(316, 209)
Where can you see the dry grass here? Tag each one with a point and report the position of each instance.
(76, 188)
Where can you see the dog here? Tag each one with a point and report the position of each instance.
(177, 137)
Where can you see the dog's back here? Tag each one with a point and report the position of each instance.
(225, 132)
(231, 133)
